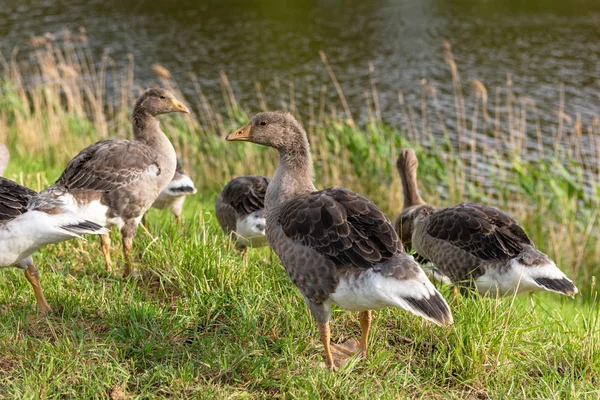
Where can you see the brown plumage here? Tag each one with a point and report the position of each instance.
(28, 222)
(114, 182)
(474, 243)
(336, 245)
(240, 209)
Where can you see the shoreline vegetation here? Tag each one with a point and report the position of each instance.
(202, 320)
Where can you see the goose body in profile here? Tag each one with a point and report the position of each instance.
(173, 196)
(472, 243)
(114, 182)
(336, 245)
(240, 209)
(29, 222)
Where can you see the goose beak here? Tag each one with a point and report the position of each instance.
(179, 106)
(241, 135)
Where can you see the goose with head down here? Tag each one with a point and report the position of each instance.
(114, 182)
(336, 245)
(175, 193)
(240, 209)
(472, 243)
(28, 222)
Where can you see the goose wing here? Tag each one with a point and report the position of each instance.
(341, 225)
(108, 165)
(13, 199)
(483, 231)
(246, 194)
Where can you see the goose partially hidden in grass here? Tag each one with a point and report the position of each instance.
(473, 243)
(28, 222)
(174, 194)
(114, 182)
(336, 245)
(240, 209)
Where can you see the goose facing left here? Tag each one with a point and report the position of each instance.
(29, 222)
(114, 182)
(336, 245)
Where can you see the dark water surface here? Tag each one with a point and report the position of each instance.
(538, 43)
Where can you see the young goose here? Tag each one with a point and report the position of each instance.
(336, 245)
(28, 222)
(4, 157)
(471, 242)
(114, 182)
(240, 209)
(174, 194)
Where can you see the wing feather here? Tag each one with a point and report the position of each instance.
(13, 199)
(343, 226)
(483, 231)
(246, 194)
(108, 165)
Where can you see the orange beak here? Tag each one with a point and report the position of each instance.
(178, 106)
(241, 135)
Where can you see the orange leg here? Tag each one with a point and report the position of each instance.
(105, 242)
(325, 336)
(127, 245)
(365, 326)
(32, 276)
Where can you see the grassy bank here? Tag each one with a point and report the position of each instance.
(202, 321)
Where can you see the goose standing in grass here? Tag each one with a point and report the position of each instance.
(336, 245)
(240, 209)
(4, 157)
(474, 243)
(28, 222)
(114, 182)
(174, 194)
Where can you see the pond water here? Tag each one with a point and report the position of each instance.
(538, 43)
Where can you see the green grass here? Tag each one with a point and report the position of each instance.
(203, 321)
(200, 320)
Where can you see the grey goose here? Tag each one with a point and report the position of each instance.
(240, 209)
(29, 222)
(114, 182)
(173, 196)
(471, 243)
(336, 245)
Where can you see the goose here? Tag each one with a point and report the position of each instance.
(473, 243)
(4, 157)
(240, 209)
(114, 182)
(336, 245)
(29, 222)
(173, 196)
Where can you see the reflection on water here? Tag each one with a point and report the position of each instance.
(538, 45)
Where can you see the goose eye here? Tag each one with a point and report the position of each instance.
(263, 123)
(162, 97)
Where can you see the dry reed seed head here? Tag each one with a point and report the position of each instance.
(529, 102)
(37, 41)
(161, 71)
(67, 71)
(562, 116)
(480, 88)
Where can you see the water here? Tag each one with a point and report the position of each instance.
(538, 44)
